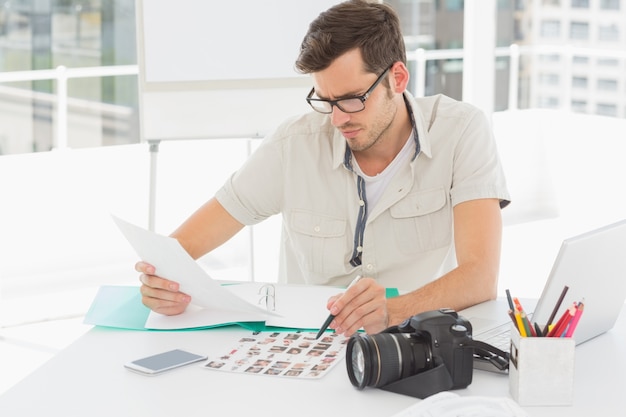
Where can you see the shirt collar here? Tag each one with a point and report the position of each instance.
(419, 126)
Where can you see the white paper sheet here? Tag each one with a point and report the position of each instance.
(172, 262)
(298, 306)
(198, 317)
(449, 404)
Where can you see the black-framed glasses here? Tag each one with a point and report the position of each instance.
(347, 105)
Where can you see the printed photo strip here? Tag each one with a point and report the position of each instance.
(293, 354)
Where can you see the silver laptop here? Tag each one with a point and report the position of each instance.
(593, 267)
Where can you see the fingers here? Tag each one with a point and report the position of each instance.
(168, 308)
(145, 268)
(364, 305)
(159, 294)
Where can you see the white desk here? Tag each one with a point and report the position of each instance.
(88, 379)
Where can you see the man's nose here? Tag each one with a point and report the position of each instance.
(339, 117)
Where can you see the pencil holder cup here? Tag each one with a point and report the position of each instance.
(541, 370)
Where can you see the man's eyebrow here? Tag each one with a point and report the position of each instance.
(342, 97)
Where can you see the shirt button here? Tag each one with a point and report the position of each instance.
(359, 249)
(317, 229)
(361, 203)
(370, 267)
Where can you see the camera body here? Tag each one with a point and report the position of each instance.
(428, 353)
(450, 336)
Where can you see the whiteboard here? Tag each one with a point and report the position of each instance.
(220, 69)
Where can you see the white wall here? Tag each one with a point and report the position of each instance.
(567, 175)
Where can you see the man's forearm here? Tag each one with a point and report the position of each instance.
(459, 289)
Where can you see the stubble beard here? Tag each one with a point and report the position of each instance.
(377, 134)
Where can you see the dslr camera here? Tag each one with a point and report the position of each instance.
(426, 354)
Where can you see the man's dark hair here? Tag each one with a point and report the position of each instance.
(374, 28)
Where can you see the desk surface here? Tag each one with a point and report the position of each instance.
(87, 378)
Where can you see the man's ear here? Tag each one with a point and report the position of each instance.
(399, 77)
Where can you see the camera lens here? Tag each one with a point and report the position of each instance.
(376, 360)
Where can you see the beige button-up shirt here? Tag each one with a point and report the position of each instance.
(302, 170)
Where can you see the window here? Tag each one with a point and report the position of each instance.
(549, 79)
(606, 109)
(579, 30)
(609, 4)
(580, 60)
(579, 82)
(504, 5)
(551, 58)
(580, 4)
(548, 102)
(550, 28)
(608, 62)
(579, 106)
(454, 5)
(519, 30)
(608, 33)
(605, 84)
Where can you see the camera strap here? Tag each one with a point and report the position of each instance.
(497, 357)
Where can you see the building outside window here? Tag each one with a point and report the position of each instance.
(45, 34)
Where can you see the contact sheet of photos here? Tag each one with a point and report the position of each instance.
(293, 354)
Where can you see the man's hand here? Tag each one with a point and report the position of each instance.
(159, 294)
(363, 305)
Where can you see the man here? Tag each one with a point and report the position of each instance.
(405, 192)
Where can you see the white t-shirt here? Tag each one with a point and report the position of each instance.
(376, 185)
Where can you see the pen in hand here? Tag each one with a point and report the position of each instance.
(332, 317)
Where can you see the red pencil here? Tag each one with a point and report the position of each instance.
(574, 322)
(556, 325)
(561, 325)
(518, 305)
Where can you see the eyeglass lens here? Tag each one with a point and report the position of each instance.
(349, 105)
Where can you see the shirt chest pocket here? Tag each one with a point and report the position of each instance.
(319, 241)
(422, 221)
